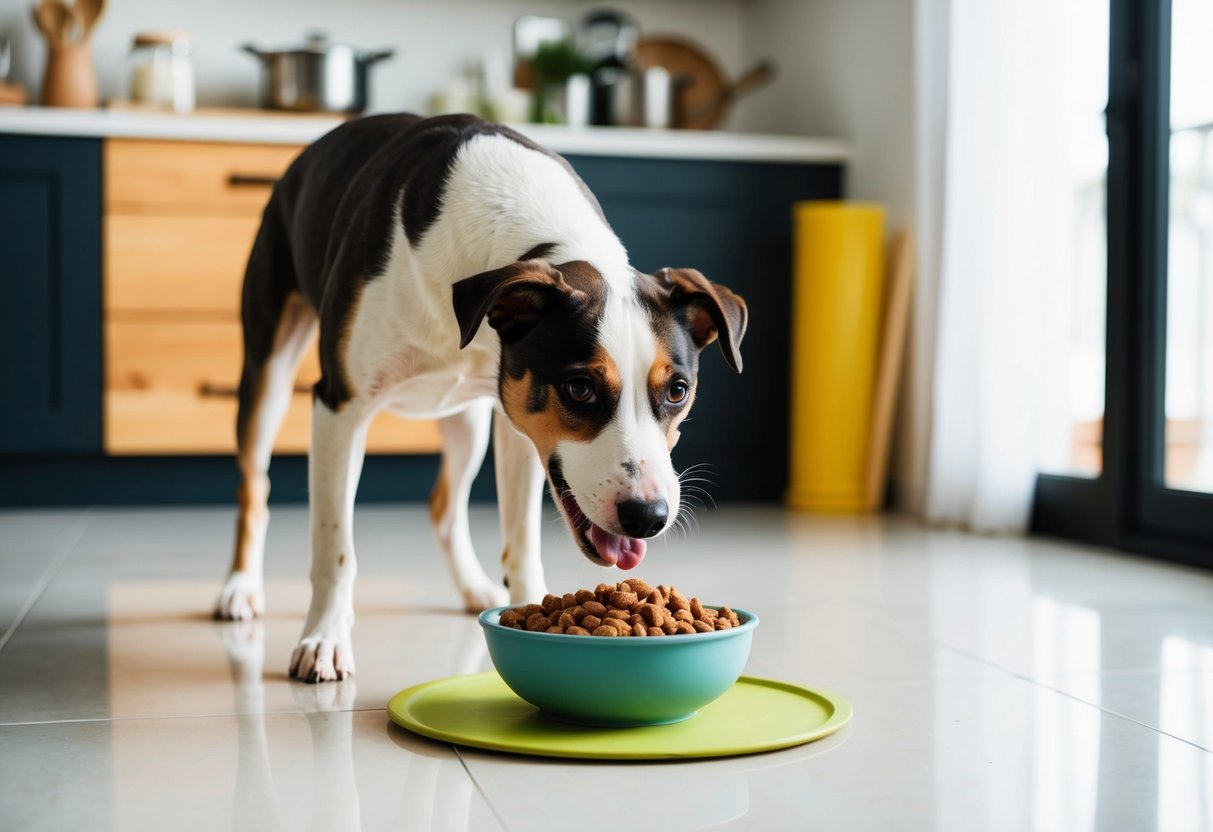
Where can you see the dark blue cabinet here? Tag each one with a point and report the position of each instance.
(50, 295)
(730, 220)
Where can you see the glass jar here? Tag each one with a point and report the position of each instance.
(161, 72)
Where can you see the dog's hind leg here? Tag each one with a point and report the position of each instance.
(520, 501)
(278, 328)
(465, 437)
(325, 652)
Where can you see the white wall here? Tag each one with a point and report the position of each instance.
(433, 39)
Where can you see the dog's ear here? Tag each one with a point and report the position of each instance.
(512, 298)
(708, 310)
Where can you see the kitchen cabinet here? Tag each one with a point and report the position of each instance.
(179, 220)
(50, 295)
(128, 400)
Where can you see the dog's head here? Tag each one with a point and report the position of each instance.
(599, 375)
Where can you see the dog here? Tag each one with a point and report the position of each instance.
(397, 237)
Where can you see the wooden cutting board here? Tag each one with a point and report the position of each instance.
(682, 57)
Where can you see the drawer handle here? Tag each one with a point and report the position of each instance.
(237, 180)
(226, 391)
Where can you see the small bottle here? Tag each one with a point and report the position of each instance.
(161, 72)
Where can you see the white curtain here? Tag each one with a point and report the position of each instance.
(1001, 232)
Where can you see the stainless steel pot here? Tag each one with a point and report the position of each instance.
(318, 77)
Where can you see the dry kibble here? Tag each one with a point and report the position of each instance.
(629, 608)
(623, 600)
(638, 586)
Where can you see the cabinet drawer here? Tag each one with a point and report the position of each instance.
(192, 177)
(177, 263)
(170, 388)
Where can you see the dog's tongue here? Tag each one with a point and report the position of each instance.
(624, 552)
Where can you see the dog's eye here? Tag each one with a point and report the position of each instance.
(677, 393)
(580, 390)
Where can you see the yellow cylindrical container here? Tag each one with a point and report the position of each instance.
(838, 293)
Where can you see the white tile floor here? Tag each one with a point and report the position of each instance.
(997, 683)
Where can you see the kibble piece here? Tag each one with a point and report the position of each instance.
(537, 621)
(723, 623)
(554, 629)
(622, 615)
(655, 598)
(624, 628)
(566, 620)
(709, 614)
(697, 610)
(638, 586)
(656, 631)
(578, 612)
(590, 622)
(568, 600)
(595, 608)
(732, 616)
(702, 626)
(684, 627)
(529, 610)
(652, 614)
(510, 618)
(603, 591)
(583, 595)
(635, 618)
(640, 630)
(551, 602)
(576, 631)
(604, 630)
(684, 616)
(623, 600)
(554, 616)
(669, 625)
(677, 601)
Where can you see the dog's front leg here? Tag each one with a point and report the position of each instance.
(334, 465)
(465, 437)
(520, 501)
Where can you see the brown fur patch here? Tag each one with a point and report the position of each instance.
(341, 559)
(546, 427)
(505, 555)
(604, 369)
(440, 498)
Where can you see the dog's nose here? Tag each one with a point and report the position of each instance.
(641, 519)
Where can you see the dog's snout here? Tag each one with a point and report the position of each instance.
(640, 518)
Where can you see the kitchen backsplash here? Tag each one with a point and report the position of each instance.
(433, 40)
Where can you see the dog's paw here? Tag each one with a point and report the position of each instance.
(323, 657)
(242, 598)
(483, 596)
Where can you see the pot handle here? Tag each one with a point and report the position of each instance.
(369, 58)
(255, 52)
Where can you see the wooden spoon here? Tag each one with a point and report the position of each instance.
(88, 11)
(53, 19)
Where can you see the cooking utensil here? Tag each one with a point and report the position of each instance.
(317, 77)
(69, 80)
(702, 102)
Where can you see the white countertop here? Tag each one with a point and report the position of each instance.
(274, 128)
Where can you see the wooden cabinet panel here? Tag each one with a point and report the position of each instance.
(197, 177)
(171, 388)
(176, 263)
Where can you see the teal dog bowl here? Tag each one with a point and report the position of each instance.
(618, 681)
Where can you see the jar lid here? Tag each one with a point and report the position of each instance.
(167, 38)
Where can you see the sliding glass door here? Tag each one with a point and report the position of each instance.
(1153, 491)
